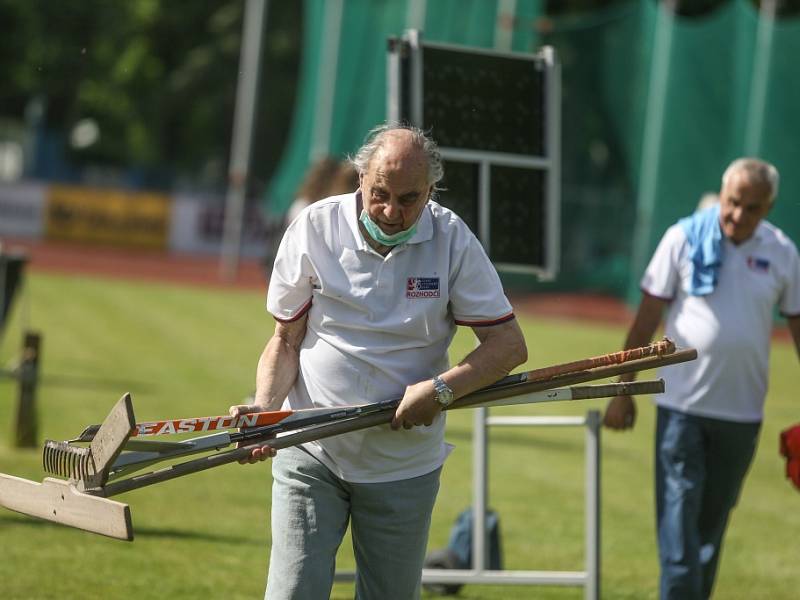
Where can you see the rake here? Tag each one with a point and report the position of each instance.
(91, 474)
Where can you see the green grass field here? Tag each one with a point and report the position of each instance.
(189, 351)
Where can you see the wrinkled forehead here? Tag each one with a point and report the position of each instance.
(399, 166)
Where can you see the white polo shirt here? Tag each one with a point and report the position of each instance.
(731, 327)
(377, 324)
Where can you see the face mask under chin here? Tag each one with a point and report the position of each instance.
(385, 239)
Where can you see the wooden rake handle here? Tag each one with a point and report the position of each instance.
(661, 348)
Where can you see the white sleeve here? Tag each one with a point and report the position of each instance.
(789, 304)
(662, 276)
(290, 284)
(476, 293)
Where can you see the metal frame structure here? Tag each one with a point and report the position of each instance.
(589, 578)
(550, 161)
(405, 90)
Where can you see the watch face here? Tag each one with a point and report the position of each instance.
(444, 395)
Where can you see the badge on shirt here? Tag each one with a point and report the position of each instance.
(758, 264)
(422, 287)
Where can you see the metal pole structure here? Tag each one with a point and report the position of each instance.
(26, 430)
(504, 25)
(326, 92)
(553, 137)
(416, 13)
(760, 77)
(591, 588)
(653, 133)
(480, 476)
(243, 119)
(3, 283)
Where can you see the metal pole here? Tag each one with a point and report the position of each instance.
(3, 284)
(504, 25)
(326, 93)
(553, 140)
(653, 133)
(592, 585)
(760, 77)
(479, 489)
(243, 119)
(26, 430)
(416, 13)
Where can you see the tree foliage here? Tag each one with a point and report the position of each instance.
(158, 76)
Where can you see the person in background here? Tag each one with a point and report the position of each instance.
(707, 200)
(315, 185)
(718, 274)
(344, 180)
(367, 291)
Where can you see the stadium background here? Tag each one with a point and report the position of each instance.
(655, 105)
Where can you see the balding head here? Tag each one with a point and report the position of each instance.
(404, 143)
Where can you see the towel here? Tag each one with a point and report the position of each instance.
(704, 236)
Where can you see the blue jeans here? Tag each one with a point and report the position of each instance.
(700, 467)
(311, 508)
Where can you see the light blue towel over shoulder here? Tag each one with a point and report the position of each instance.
(704, 236)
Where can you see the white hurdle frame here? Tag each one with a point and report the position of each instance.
(589, 578)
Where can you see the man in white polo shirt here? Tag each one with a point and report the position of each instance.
(719, 273)
(367, 291)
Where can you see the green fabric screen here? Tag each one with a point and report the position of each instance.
(633, 160)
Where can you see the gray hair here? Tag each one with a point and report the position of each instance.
(757, 170)
(376, 139)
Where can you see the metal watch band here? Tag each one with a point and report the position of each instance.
(444, 394)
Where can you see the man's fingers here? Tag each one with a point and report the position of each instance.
(240, 409)
(258, 454)
(614, 420)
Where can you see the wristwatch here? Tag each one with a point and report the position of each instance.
(444, 394)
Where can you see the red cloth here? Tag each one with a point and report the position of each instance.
(790, 448)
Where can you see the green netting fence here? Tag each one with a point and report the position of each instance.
(654, 107)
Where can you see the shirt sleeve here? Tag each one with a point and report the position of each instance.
(476, 293)
(662, 276)
(789, 303)
(291, 282)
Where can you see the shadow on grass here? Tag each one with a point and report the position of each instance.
(185, 534)
(144, 532)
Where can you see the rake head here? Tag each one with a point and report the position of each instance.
(65, 460)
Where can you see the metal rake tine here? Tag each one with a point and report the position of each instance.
(60, 458)
(63, 463)
(46, 458)
(73, 472)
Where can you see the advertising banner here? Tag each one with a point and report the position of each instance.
(197, 225)
(120, 218)
(21, 210)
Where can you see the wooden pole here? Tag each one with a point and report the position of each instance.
(26, 431)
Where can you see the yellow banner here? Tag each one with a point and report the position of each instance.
(108, 216)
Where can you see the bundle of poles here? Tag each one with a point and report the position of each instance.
(117, 448)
